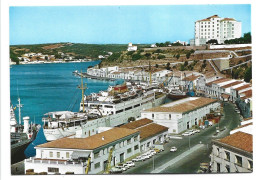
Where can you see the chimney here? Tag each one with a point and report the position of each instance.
(103, 138)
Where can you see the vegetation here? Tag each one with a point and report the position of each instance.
(246, 39)
(212, 41)
(248, 74)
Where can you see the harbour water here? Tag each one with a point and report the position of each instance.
(44, 88)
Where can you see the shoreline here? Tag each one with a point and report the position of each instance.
(60, 62)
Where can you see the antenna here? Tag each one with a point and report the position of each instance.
(83, 87)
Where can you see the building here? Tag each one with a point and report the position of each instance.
(181, 115)
(71, 154)
(131, 47)
(151, 133)
(215, 27)
(233, 153)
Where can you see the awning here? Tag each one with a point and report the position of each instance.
(79, 154)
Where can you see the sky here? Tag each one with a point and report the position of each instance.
(115, 24)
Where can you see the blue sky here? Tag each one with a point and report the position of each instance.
(115, 24)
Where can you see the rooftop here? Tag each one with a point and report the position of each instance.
(246, 94)
(91, 142)
(240, 140)
(232, 84)
(184, 106)
(191, 78)
(218, 81)
(146, 127)
(136, 124)
(243, 87)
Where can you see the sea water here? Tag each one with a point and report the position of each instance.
(44, 88)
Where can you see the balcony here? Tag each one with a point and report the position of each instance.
(55, 161)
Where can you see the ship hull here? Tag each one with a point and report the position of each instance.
(175, 97)
(17, 149)
(91, 126)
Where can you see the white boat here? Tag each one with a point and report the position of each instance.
(111, 108)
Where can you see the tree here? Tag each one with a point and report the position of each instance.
(136, 57)
(147, 55)
(188, 55)
(185, 63)
(161, 56)
(156, 65)
(178, 56)
(248, 74)
(212, 41)
(182, 68)
(168, 66)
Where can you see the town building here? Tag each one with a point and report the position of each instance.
(151, 134)
(215, 27)
(131, 47)
(71, 155)
(182, 114)
(233, 153)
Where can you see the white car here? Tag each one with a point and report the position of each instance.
(187, 134)
(173, 149)
(191, 131)
(146, 156)
(121, 167)
(197, 130)
(130, 164)
(138, 158)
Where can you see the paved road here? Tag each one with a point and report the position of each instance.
(230, 120)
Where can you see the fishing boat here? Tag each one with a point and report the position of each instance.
(21, 135)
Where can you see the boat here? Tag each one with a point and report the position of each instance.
(117, 106)
(176, 94)
(21, 135)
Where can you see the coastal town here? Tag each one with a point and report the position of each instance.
(177, 99)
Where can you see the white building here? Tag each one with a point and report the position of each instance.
(72, 154)
(151, 133)
(233, 153)
(181, 115)
(215, 27)
(131, 47)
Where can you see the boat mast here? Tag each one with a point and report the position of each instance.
(82, 87)
(19, 105)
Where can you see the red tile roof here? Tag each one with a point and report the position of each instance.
(190, 78)
(228, 19)
(91, 142)
(240, 140)
(243, 87)
(136, 124)
(151, 130)
(218, 81)
(185, 106)
(146, 127)
(208, 19)
(232, 84)
(247, 94)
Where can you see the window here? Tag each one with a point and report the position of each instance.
(136, 138)
(154, 141)
(250, 164)
(136, 147)
(227, 154)
(96, 155)
(52, 169)
(152, 116)
(51, 154)
(170, 116)
(228, 168)
(217, 151)
(128, 141)
(97, 165)
(218, 167)
(129, 150)
(58, 154)
(67, 155)
(238, 160)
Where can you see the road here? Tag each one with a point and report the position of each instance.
(190, 163)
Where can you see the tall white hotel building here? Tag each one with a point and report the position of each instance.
(215, 27)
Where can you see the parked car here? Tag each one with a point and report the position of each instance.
(152, 152)
(191, 131)
(157, 150)
(115, 170)
(187, 134)
(120, 166)
(173, 149)
(146, 156)
(202, 127)
(138, 158)
(196, 130)
(130, 164)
